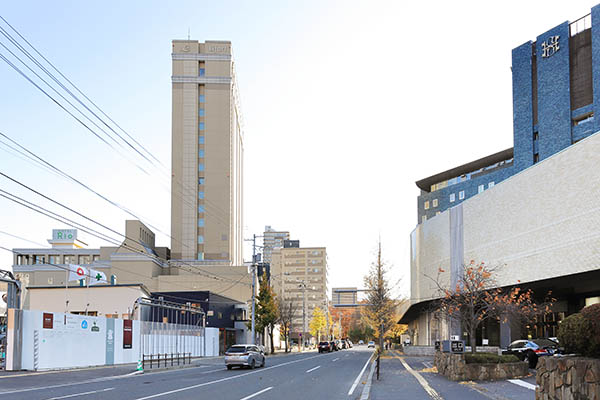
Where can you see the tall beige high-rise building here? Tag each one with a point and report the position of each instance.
(207, 154)
(299, 275)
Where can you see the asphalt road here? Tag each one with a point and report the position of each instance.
(295, 376)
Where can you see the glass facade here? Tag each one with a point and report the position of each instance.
(201, 112)
(200, 167)
(201, 126)
(200, 195)
(200, 222)
(200, 139)
(200, 239)
(201, 208)
(201, 99)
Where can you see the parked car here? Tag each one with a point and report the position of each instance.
(360, 342)
(371, 344)
(244, 355)
(334, 345)
(339, 344)
(325, 347)
(344, 344)
(350, 345)
(531, 350)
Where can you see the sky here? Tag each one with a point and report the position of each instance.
(345, 103)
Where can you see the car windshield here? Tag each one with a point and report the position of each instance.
(237, 349)
(544, 342)
(323, 343)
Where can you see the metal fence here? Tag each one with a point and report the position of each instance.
(162, 340)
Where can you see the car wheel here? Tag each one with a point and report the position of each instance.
(229, 366)
(253, 364)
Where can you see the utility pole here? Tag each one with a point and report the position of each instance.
(253, 288)
(303, 286)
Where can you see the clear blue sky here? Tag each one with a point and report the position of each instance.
(346, 105)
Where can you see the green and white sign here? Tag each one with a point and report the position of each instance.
(64, 234)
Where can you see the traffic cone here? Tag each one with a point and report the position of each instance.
(139, 366)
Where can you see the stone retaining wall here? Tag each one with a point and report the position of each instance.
(418, 350)
(454, 367)
(561, 378)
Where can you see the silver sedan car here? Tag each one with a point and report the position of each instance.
(244, 355)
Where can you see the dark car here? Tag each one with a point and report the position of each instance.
(531, 350)
(325, 347)
(344, 344)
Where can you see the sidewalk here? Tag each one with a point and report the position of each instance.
(412, 377)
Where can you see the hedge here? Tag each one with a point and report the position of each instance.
(489, 358)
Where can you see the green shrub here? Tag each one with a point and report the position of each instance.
(574, 334)
(489, 358)
(592, 316)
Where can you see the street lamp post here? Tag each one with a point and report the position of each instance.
(302, 285)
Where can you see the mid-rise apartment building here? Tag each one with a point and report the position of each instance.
(272, 240)
(299, 274)
(207, 154)
(556, 97)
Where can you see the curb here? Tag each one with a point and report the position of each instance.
(367, 389)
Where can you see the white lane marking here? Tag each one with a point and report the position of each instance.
(358, 377)
(367, 389)
(224, 379)
(257, 393)
(522, 383)
(312, 369)
(81, 394)
(335, 359)
(427, 364)
(432, 393)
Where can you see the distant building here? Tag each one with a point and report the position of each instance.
(344, 296)
(272, 240)
(295, 267)
(207, 154)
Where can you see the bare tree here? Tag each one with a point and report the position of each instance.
(287, 312)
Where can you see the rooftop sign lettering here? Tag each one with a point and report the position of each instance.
(550, 46)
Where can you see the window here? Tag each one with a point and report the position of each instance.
(424, 218)
(201, 181)
(200, 208)
(200, 222)
(201, 112)
(56, 259)
(200, 153)
(200, 255)
(461, 195)
(220, 315)
(200, 195)
(200, 139)
(536, 158)
(426, 205)
(435, 202)
(200, 239)
(491, 184)
(452, 197)
(69, 259)
(200, 167)
(201, 126)
(536, 136)
(201, 99)
(201, 71)
(480, 188)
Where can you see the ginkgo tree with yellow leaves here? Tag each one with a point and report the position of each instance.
(476, 298)
(317, 323)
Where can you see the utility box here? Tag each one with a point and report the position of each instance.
(453, 346)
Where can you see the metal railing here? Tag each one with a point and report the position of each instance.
(165, 358)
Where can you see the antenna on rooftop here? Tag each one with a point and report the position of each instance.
(188, 33)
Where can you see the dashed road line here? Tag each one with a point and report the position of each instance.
(81, 394)
(335, 359)
(312, 369)
(522, 383)
(257, 393)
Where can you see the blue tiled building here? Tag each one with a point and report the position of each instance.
(556, 94)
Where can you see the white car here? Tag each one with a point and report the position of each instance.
(244, 355)
(371, 344)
